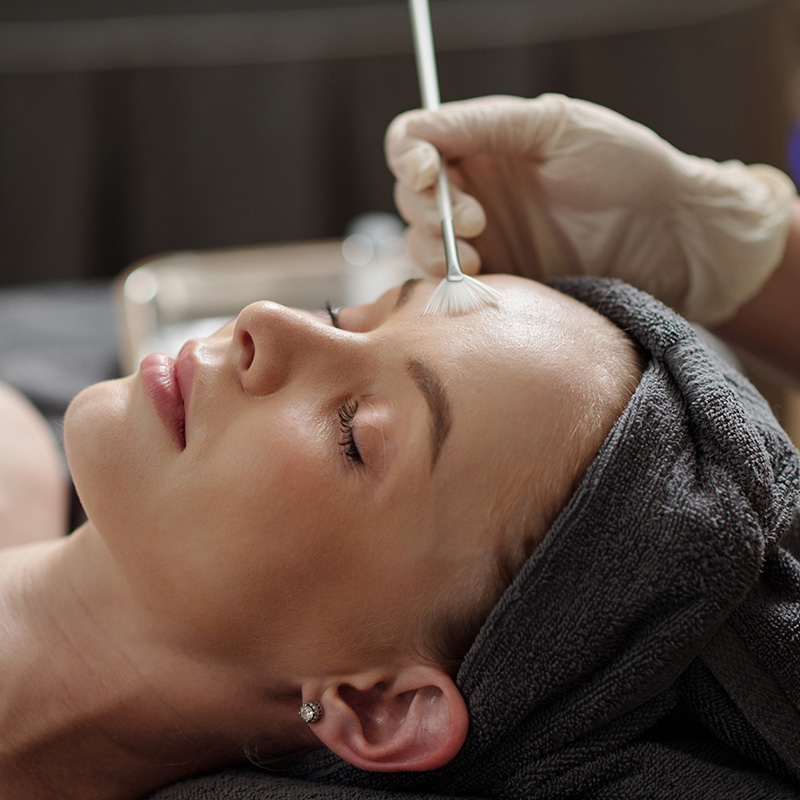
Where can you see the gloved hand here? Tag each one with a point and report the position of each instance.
(554, 186)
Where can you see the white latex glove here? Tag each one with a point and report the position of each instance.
(554, 186)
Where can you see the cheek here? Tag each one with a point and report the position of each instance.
(265, 475)
(267, 531)
(259, 495)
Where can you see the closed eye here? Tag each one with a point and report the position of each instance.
(333, 313)
(347, 413)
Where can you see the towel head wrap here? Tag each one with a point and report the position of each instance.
(650, 646)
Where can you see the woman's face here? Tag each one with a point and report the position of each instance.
(326, 481)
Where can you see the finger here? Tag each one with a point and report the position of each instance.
(417, 208)
(420, 209)
(427, 251)
(490, 125)
(413, 161)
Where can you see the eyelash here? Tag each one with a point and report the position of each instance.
(347, 410)
(333, 313)
(347, 413)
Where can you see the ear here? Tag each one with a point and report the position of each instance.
(411, 721)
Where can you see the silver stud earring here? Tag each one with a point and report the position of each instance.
(311, 711)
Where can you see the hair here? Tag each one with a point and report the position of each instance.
(529, 510)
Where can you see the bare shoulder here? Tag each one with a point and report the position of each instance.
(33, 481)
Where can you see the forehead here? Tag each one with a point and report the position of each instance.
(510, 373)
(533, 326)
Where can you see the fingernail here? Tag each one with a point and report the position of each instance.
(420, 166)
(469, 219)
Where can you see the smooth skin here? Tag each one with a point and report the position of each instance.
(33, 477)
(217, 586)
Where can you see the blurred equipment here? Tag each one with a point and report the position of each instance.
(163, 301)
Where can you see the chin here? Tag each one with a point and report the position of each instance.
(96, 427)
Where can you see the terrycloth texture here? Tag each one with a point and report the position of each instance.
(241, 784)
(650, 647)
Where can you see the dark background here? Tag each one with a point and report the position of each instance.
(130, 128)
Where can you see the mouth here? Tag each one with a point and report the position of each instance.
(161, 385)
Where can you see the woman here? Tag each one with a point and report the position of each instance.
(648, 647)
(298, 510)
(612, 667)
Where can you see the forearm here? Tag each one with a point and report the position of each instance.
(768, 326)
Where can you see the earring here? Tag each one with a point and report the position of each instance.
(311, 712)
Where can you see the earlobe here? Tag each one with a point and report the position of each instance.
(411, 721)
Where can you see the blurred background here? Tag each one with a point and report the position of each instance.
(130, 128)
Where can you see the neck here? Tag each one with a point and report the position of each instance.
(94, 702)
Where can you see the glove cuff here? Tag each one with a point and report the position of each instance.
(734, 233)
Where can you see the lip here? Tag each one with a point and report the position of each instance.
(185, 369)
(160, 383)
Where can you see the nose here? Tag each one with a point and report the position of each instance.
(273, 344)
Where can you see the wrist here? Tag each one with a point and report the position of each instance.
(734, 236)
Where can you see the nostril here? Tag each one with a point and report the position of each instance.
(248, 350)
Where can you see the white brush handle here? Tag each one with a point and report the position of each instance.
(429, 89)
(423, 49)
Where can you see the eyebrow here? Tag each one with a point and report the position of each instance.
(429, 383)
(432, 389)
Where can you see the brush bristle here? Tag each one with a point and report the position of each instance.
(461, 297)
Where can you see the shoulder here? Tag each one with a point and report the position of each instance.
(33, 479)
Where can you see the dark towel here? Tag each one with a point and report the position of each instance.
(244, 784)
(650, 647)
